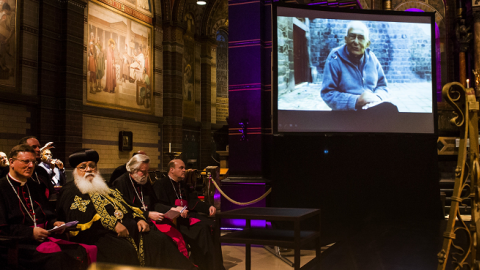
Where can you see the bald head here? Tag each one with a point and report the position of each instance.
(176, 170)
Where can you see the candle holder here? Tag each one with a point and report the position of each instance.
(174, 155)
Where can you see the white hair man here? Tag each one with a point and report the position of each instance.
(119, 230)
(137, 190)
(195, 228)
(353, 76)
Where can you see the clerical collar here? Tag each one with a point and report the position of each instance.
(173, 179)
(16, 180)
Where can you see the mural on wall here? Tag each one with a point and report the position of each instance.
(119, 58)
(189, 69)
(140, 5)
(140, 9)
(7, 42)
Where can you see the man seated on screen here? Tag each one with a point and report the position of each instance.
(353, 77)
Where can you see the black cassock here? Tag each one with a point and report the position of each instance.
(133, 193)
(97, 222)
(126, 187)
(42, 177)
(15, 221)
(205, 253)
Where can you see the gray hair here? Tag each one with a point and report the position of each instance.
(136, 161)
(358, 24)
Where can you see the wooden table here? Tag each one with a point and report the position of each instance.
(284, 238)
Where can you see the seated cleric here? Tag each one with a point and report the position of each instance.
(25, 214)
(137, 190)
(196, 228)
(117, 229)
(353, 76)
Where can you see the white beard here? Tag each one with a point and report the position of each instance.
(97, 185)
(140, 180)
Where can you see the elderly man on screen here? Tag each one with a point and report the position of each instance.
(353, 77)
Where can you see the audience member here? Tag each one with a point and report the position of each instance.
(138, 192)
(25, 213)
(117, 229)
(39, 174)
(122, 169)
(195, 228)
(3, 164)
(54, 167)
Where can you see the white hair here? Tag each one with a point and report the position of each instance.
(358, 24)
(97, 185)
(136, 161)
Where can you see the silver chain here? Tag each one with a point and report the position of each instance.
(31, 202)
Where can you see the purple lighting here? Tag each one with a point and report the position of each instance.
(217, 195)
(236, 223)
(414, 10)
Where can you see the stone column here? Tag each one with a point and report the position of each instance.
(206, 103)
(172, 89)
(61, 75)
(249, 86)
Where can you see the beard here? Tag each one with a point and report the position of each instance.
(97, 185)
(141, 180)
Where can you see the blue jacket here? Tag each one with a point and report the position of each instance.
(343, 82)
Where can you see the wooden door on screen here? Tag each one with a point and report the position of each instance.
(300, 54)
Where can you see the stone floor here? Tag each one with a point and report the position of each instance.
(234, 258)
(411, 97)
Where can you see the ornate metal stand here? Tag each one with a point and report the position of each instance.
(466, 108)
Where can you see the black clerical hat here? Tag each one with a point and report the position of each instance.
(82, 156)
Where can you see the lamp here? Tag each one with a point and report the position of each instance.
(201, 2)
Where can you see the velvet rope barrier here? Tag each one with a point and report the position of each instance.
(239, 203)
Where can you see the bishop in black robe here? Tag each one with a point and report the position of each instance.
(143, 196)
(197, 229)
(16, 222)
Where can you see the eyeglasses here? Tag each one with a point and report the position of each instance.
(83, 167)
(352, 37)
(26, 161)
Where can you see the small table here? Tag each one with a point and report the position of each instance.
(284, 238)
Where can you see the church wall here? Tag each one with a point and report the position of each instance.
(14, 124)
(52, 98)
(101, 134)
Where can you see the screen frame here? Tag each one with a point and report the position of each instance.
(274, 68)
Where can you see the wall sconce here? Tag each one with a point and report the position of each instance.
(201, 2)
